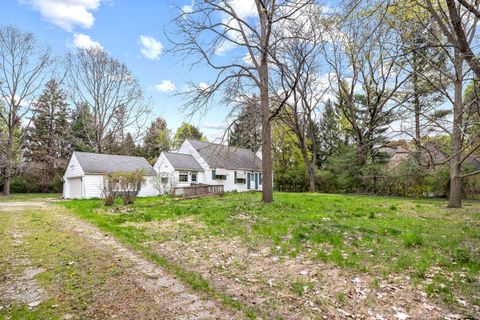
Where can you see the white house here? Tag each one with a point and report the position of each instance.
(86, 171)
(198, 162)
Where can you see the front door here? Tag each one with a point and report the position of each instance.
(256, 180)
(248, 180)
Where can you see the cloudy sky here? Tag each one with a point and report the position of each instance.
(131, 31)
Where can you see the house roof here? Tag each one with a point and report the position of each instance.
(181, 161)
(227, 157)
(95, 163)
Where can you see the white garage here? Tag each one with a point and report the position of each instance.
(85, 174)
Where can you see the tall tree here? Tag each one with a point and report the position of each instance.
(109, 90)
(213, 26)
(246, 129)
(23, 66)
(187, 131)
(454, 79)
(157, 139)
(367, 64)
(329, 133)
(298, 56)
(47, 145)
(81, 129)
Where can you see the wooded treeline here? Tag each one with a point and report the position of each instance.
(371, 96)
(89, 101)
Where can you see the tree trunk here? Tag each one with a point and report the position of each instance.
(265, 26)
(8, 166)
(455, 196)
(416, 97)
(310, 170)
(267, 188)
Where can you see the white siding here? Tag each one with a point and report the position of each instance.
(73, 168)
(206, 176)
(93, 186)
(73, 171)
(148, 188)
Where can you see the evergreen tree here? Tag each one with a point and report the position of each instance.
(82, 131)
(156, 140)
(329, 134)
(188, 131)
(47, 146)
(246, 131)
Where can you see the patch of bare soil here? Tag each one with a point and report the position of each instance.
(296, 288)
(22, 205)
(169, 294)
(19, 283)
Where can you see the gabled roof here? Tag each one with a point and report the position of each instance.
(227, 157)
(181, 161)
(95, 163)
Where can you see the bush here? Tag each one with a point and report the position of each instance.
(128, 185)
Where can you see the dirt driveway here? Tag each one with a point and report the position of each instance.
(53, 265)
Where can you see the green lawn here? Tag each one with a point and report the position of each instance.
(29, 196)
(379, 236)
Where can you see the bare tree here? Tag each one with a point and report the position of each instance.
(298, 68)
(454, 23)
(23, 66)
(450, 83)
(367, 63)
(210, 27)
(112, 94)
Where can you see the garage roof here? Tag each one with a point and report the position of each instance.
(95, 163)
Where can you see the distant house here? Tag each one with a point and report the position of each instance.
(198, 162)
(85, 174)
(396, 155)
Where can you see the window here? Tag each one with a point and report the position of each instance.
(183, 177)
(194, 177)
(218, 176)
(164, 179)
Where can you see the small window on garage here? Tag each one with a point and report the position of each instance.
(183, 176)
(194, 177)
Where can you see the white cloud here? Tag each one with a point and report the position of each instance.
(215, 126)
(243, 9)
(165, 86)
(66, 14)
(187, 8)
(203, 86)
(83, 41)
(151, 48)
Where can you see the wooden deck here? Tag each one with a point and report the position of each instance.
(198, 191)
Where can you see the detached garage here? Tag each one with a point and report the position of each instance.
(86, 171)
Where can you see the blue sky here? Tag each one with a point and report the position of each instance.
(118, 26)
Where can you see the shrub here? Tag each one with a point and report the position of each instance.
(128, 185)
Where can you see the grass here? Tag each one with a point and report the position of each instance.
(376, 235)
(80, 280)
(29, 196)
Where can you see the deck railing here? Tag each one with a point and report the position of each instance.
(198, 190)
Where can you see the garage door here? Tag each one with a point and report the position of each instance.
(74, 188)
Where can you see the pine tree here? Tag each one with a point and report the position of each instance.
(246, 131)
(82, 131)
(157, 139)
(47, 146)
(329, 134)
